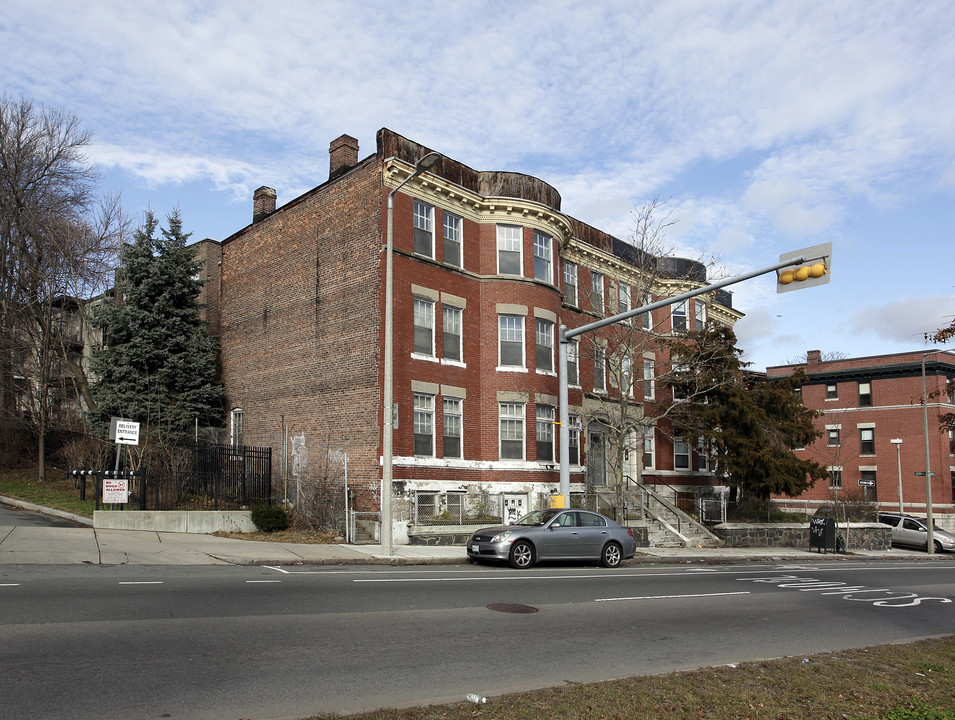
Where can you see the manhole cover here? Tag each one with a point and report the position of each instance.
(513, 608)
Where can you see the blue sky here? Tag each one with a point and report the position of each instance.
(767, 126)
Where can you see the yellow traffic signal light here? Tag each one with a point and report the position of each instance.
(814, 270)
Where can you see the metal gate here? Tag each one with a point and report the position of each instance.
(364, 528)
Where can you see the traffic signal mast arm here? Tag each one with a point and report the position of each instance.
(818, 254)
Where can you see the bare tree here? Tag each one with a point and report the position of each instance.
(632, 357)
(57, 248)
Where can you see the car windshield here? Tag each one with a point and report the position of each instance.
(537, 518)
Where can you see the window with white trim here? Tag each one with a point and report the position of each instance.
(511, 341)
(832, 391)
(236, 427)
(573, 441)
(597, 292)
(570, 283)
(452, 333)
(833, 435)
(453, 240)
(453, 414)
(700, 310)
(865, 394)
(511, 420)
(623, 298)
(424, 326)
(649, 373)
(543, 257)
(545, 433)
(423, 425)
(835, 478)
(867, 441)
(702, 455)
(649, 446)
(573, 377)
(678, 316)
(600, 368)
(681, 451)
(545, 345)
(646, 319)
(423, 229)
(510, 260)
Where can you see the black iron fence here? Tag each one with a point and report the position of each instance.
(221, 477)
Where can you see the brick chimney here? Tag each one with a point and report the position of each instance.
(813, 357)
(263, 203)
(343, 155)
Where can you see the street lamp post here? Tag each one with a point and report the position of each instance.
(898, 447)
(387, 410)
(930, 542)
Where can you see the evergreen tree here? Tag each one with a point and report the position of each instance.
(749, 425)
(158, 365)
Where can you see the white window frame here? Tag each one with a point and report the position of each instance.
(452, 317)
(597, 292)
(423, 421)
(573, 366)
(830, 429)
(453, 415)
(649, 379)
(863, 440)
(423, 215)
(623, 298)
(236, 427)
(573, 440)
(681, 448)
(835, 472)
(543, 257)
(545, 432)
(424, 321)
(649, 446)
(702, 456)
(544, 335)
(511, 429)
(699, 310)
(453, 235)
(865, 391)
(510, 330)
(600, 368)
(570, 281)
(646, 319)
(678, 316)
(510, 242)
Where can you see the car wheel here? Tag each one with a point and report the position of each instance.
(938, 547)
(611, 556)
(522, 555)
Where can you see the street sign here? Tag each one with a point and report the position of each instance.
(115, 490)
(867, 483)
(123, 431)
(922, 474)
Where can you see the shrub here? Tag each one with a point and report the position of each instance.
(268, 518)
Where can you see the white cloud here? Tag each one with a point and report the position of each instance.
(905, 320)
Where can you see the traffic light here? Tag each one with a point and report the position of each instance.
(815, 270)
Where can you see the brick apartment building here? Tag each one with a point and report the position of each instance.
(486, 267)
(868, 403)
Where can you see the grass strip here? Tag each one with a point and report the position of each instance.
(911, 681)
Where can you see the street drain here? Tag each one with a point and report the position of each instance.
(513, 608)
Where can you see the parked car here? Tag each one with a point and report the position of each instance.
(555, 535)
(912, 531)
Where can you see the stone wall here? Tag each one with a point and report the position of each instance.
(861, 536)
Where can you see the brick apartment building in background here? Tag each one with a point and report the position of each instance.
(866, 404)
(486, 267)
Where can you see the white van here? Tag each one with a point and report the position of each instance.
(911, 531)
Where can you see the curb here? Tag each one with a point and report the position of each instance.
(62, 514)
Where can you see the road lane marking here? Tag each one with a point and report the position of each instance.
(140, 582)
(263, 581)
(9, 584)
(671, 597)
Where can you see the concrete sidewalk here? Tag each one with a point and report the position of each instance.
(20, 544)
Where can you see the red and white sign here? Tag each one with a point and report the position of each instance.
(115, 490)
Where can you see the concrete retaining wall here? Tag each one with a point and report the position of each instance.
(185, 521)
(861, 536)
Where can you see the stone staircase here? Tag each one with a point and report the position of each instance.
(668, 526)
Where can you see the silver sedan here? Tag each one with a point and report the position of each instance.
(555, 535)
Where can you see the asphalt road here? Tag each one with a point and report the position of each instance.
(253, 642)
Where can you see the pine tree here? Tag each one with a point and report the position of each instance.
(750, 426)
(158, 365)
